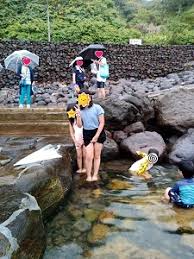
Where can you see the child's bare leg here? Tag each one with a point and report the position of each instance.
(89, 159)
(166, 195)
(84, 159)
(99, 93)
(79, 159)
(97, 159)
(103, 94)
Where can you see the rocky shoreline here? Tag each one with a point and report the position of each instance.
(29, 194)
(156, 113)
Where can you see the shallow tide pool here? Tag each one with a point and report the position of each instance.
(121, 217)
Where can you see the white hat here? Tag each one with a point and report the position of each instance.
(76, 59)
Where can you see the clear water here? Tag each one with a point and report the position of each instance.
(121, 217)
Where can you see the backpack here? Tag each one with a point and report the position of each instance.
(104, 71)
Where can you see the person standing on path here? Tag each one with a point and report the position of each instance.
(26, 75)
(101, 62)
(78, 74)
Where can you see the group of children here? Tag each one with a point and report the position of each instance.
(86, 124)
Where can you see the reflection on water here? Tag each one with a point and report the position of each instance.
(122, 217)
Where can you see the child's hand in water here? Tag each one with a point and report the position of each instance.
(147, 176)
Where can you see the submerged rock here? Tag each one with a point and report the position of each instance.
(119, 185)
(91, 214)
(82, 225)
(98, 233)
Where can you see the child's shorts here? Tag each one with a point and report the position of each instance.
(176, 199)
(89, 134)
(100, 84)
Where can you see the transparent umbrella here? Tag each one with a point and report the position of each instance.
(1, 67)
(14, 59)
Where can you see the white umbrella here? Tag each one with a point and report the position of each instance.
(1, 67)
(14, 59)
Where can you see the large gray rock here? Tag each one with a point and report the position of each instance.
(175, 108)
(143, 142)
(28, 194)
(119, 135)
(110, 150)
(124, 109)
(183, 147)
(22, 233)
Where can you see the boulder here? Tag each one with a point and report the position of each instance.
(119, 135)
(174, 108)
(28, 194)
(134, 128)
(110, 150)
(19, 213)
(143, 142)
(122, 110)
(183, 147)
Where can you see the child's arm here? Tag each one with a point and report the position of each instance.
(141, 154)
(100, 128)
(78, 117)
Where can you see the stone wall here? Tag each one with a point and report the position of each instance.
(125, 60)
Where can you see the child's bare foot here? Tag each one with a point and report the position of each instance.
(89, 179)
(83, 170)
(79, 171)
(95, 178)
(164, 200)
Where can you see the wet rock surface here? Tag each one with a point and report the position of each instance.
(29, 194)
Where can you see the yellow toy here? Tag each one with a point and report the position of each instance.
(83, 99)
(71, 114)
(141, 167)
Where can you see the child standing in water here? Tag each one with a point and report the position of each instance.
(77, 137)
(182, 193)
(91, 117)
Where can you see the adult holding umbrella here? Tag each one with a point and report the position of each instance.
(95, 53)
(22, 63)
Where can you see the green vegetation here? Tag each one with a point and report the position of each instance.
(111, 21)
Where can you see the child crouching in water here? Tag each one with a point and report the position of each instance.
(143, 165)
(182, 193)
(76, 134)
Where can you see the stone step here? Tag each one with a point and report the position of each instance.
(34, 114)
(39, 121)
(38, 128)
